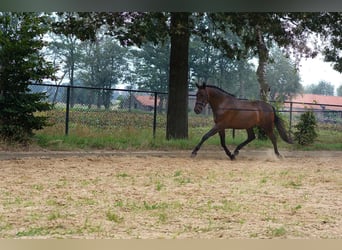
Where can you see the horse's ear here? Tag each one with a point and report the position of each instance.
(204, 85)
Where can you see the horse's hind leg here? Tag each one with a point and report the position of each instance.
(223, 144)
(251, 137)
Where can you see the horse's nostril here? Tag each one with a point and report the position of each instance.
(197, 110)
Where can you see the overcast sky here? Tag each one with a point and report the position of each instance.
(312, 71)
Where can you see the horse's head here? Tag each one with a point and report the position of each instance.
(201, 98)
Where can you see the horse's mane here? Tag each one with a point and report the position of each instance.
(215, 87)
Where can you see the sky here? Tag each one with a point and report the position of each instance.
(312, 71)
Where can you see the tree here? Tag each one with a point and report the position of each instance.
(177, 111)
(203, 58)
(151, 66)
(66, 48)
(22, 63)
(151, 69)
(103, 63)
(210, 65)
(159, 27)
(283, 75)
(322, 88)
(328, 27)
(256, 31)
(339, 91)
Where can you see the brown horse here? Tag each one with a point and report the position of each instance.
(231, 112)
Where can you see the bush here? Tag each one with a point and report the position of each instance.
(306, 129)
(260, 134)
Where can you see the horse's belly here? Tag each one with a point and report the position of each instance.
(243, 121)
(241, 126)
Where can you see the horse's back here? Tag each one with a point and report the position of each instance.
(255, 105)
(244, 114)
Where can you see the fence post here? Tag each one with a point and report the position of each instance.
(67, 111)
(155, 115)
(291, 103)
(130, 101)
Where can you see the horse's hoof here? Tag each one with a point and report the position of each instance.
(232, 157)
(193, 154)
(279, 156)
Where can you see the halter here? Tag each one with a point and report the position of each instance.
(202, 104)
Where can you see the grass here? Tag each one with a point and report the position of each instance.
(117, 130)
(32, 232)
(142, 139)
(114, 217)
(122, 130)
(276, 232)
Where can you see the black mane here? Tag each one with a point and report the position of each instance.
(215, 87)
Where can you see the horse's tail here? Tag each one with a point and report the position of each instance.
(281, 128)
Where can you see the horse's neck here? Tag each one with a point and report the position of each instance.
(216, 97)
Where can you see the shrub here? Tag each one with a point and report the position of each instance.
(306, 128)
(260, 134)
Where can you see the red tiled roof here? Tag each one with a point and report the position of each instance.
(304, 101)
(146, 100)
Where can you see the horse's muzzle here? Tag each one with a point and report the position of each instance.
(198, 107)
(197, 110)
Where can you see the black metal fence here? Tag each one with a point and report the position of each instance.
(94, 106)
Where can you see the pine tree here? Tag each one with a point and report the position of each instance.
(21, 64)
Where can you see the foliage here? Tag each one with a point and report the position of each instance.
(322, 88)
(339, 91)
(256, 32)
(260, 134)
(306, 128)
(328, 27)
(65, 51)
(151, 66)
(21, 63)
(102, 64)
(209, 64)
(133, 130)
(282, 76)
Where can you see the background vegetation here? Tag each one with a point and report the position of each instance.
(247, 54)
(118, 130)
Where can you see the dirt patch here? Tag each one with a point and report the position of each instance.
(170, 195)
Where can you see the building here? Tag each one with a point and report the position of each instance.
(323, 106)
(140, 102)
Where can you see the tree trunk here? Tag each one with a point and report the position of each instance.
(242, 91)
(261, 71)
(177, 110)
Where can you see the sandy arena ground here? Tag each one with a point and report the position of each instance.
(170, 195)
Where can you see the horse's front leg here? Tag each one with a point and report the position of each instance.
(222, 134)
(211, 132)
